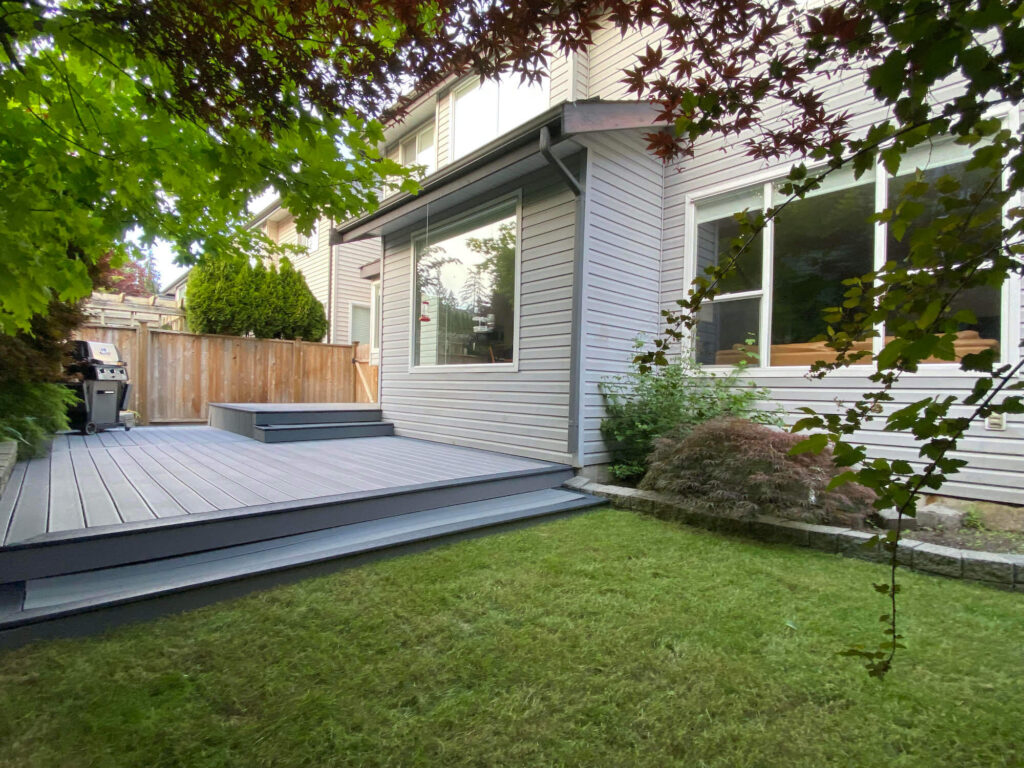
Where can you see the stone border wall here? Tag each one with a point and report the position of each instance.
(8, 456)
(1004, 571)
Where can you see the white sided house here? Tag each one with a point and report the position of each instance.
(546, 239)
(333, 273)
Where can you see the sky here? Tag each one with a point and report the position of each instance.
(163, 258)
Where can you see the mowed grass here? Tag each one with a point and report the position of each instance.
(606, 639)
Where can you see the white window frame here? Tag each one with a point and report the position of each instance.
(351, 316)
(1010, 303)
(310, 242)
(415, 135)
(376, 305)
(451, 222)
(469, 85)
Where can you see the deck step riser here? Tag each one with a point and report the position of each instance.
(329, 417)
(177, 537)
(298, 432)
(105, 610)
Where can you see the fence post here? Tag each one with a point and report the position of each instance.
(353, 390)
(297, 374)
(142, 372)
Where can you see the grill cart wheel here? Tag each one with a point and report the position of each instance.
(89, 429)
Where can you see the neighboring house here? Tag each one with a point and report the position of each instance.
(546, 238)
(332, 273)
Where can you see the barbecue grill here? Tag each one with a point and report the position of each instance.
(99, 377)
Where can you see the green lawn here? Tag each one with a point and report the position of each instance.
(606, 639)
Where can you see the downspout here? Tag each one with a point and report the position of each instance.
(558, 165)
(576, 367)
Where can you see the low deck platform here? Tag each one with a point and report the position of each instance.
(113, 519)
(215, 488)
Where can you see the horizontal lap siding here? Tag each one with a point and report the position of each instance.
(524, 412)
(623, 246)
(349, 287)
(995, 458)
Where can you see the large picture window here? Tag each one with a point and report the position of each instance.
(484, 111)
(464, 290)
(771, 306)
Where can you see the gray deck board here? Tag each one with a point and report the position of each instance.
(197, 478)
(10, 498)
(97, 504)
(164, 472)
(31, 515)
(130, 504)
(235, 474)
(65, 503)
(159, 501)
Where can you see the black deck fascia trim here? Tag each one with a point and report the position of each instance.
(94, 616)
(320, 425)
(66, 552)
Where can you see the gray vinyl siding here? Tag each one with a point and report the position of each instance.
(623, 234)
(523, 412)
(559, 86)
(995, 458)
(609, 54)
(349, 287)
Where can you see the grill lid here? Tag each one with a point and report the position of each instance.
(97, 351)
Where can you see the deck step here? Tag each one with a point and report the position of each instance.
(290, 433)
(246, 418)
(91, 601)
(66, 552)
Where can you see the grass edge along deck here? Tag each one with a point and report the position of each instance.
(180, 583)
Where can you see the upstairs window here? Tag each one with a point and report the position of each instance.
(418, 149)
(481, 112)
(311, 241)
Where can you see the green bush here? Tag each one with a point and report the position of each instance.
(644, 405)
(238, 298)
(33, 405)
(31, 412)
(738, 468)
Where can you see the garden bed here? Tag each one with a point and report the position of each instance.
(1005, 570)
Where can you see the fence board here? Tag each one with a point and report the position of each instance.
(185, 372)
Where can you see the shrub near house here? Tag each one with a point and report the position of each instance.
(740, 468)
(643, 405)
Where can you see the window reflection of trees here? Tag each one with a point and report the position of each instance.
(475, 320)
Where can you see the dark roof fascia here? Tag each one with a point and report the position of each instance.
(524, 134)
(580, 116)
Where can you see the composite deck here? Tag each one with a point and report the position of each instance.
(158, 473)
(123, 526)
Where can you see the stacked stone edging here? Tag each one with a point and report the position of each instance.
(1001, 570)
(8, 456)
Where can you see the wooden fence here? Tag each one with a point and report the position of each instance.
(176, 375)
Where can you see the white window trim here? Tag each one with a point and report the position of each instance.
(375, 330)
(1010, 309)
(422, 128)
(467, 85)
(351, 316)
(449, 222)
